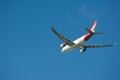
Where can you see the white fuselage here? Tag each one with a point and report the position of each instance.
(78, 44)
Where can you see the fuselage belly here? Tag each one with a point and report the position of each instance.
(78, 44)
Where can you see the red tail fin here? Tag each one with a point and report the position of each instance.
(93, 29)
(94, 25)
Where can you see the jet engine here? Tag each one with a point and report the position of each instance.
(62, 45)
(82, 50)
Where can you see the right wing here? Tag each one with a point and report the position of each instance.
(67, 41)
(98, 46)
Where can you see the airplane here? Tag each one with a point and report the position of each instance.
(69, 45)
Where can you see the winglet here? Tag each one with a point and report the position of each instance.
(52, 28)
(114, 43)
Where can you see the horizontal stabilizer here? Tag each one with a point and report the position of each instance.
(98, 33)
(89, 31)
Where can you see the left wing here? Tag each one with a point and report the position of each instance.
(98, 46)
(67, 41)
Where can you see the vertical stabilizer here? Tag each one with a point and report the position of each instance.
(92, 30)
(94, 26)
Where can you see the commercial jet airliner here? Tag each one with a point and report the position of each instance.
(69, 45)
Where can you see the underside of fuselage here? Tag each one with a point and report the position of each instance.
(77, 44)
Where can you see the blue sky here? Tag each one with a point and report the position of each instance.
(30, 51)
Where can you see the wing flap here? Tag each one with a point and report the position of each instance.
(67, 41)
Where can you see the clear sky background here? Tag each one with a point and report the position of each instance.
(30, 51)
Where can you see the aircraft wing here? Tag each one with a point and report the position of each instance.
(98, 46)
(67, 41)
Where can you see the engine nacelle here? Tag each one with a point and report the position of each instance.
(62, 45)
(82, 50)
